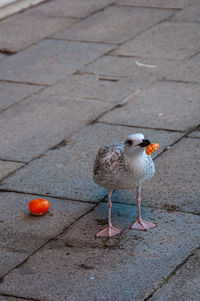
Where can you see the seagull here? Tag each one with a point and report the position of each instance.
(124, 165)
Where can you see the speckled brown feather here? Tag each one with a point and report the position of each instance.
(108, 157)
(113, 170)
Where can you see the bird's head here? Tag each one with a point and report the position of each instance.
(135, 144)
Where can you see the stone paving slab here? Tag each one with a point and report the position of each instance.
(165, 105)
(175, 185)
(183, 38)
(38, 123)
(21, 234)
(195, 134)
(115, 24)
(75, 8)
(128, 267)
(2, 56)
(12, 93)
(177, 4)
(185, 285)
(128, 67)
(189, 14)
(188, 72)
(8, 167)
(24, 29)
(50, 60)
(86, 86)
(67, 171)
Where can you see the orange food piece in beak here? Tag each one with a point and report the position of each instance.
(151, 148)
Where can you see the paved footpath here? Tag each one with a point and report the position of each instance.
(75, 75)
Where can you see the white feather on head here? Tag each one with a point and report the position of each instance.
(136, 136)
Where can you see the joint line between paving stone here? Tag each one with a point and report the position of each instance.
(198, 52)
(44, 86)
(10, 53)
(142, 57)
(12, 172)
(23, 82)
(15, 161)
(90, 122)
(190, 137)
(167, 278)
(79, 20)
(21, 100)
(101, 9)
(151, 207)
(126, 101)
(51, 238)
(81, 41)
(108, 43)
(150, 7)
(177, 81)
(48, 195)
(183, 60)
(137, 126)
(141, 32)
(19, 297)
(179, 139)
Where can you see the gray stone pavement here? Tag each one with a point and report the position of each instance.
(184, 285)
(74, 76)
(115, 24)
(1, 56)
(183, 38)
(15, 36)
(188, 72)
(8, 167)
(22, 234)
(12, 93)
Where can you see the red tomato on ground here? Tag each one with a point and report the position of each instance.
(39, 206)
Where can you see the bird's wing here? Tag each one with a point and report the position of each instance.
(108, 158)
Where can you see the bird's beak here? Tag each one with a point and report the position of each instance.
(144, 143)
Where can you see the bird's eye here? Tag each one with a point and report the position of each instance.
(130, 142)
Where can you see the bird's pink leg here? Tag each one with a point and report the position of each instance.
(110, 230)
(141, 224)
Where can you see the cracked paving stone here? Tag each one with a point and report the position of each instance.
(21, 234)
(184, 285)
(49, 61)
(188, 72)
(75, 8)
(23, 29)
(126, 267)
(7, 167)
(114, 24)
(175, 185)
(178, 4)
(67, 170)
(183, 38)
(12, 93)
(127, 67)
(165, 105)
(38, 123)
